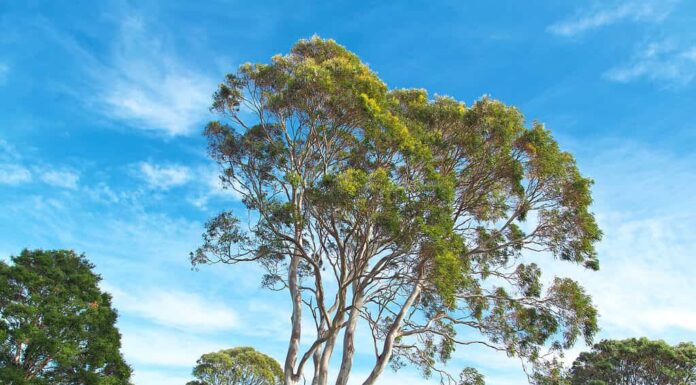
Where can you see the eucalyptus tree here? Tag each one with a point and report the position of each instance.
(237, 366)
(406, 215)
(56, 326)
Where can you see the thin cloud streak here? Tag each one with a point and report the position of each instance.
(636, 11)
(14, 174)
(150, 88)
(163, 177)
(663, 63)
(166, 348)
(149, 377)
(174, 308)
(61, 178)
(646, 255)
(139, 82)
(4, 73)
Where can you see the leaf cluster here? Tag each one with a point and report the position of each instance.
(56, 326)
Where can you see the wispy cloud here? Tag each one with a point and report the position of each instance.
(151, 88)
(4, 72)
(102, 193)
(163, 176)
(149, 377)
(15, 170)
(661, 62)
(7, 151)
(644, 286)
(176, 309)
(402, 377)
(646, 210)
(212, 188)
(14, 174)
(141, 81)
(61, 178)
(615, 12)
(163, 348)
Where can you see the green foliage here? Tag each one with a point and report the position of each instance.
(56, 326)
(635, 362)
(383, 193)
(237, 366)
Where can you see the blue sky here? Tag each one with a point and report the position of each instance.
(102, 107)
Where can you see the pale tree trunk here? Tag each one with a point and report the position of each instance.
(316, 358)
(353, 318)
(349, 340)
(325, 360)
(388, 346)
(296, 296)
(296, 321)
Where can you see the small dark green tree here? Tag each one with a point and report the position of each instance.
(237, 366)
(56, 326)
(635, 362)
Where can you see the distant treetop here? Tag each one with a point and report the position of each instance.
(237, 366)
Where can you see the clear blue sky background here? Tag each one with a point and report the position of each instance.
(102, 106)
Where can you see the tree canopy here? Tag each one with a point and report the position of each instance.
(237, 366)
(635, 362)
(56, 326)
(402, 213)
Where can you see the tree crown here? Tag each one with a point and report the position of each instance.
(237, 366)
(635, 361)
(56, 326)
(411, 212)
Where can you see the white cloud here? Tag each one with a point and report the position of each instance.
(150, 88)
(604, 15)
(276, 325)
(217, 188)
(4, 71)
(141, 81)
(645, 286)
(662, 62)
(148, 377)
(61, 178)
(403, 377)
(645, 207)
(7, 151)
(102, 193)
(176, 309)
(213, 189)
(158, 347)
(14, 174)
(163, 176)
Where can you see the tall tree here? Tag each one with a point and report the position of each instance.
(401, 213)
(237, 366)
(56, 326)
(635, 362)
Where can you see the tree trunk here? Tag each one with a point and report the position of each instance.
(296, 318)
(326, 359)
(349, 341)
(388, 346)
(296, 321)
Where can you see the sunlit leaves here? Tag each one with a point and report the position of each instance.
(237, 366)
(385, 193)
